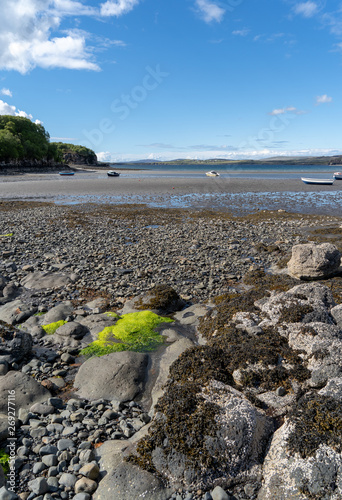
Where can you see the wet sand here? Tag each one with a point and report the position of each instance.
(176, 189)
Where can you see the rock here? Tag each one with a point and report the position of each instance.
(3, 426)
(310, 261)
(72, 329)
(67, 480)
(2, 477)
(15, 312)
(27, 390)
(15, 344)
(85, 485)
(39, 486)
(290, 476)
(120, 376)
(218, 493)
(6, 494)
(82, 496)
(162, 299)
(38, 280)
(336, 313)
(90, 471)
(42, 409)
(57, 313)
(129, 481)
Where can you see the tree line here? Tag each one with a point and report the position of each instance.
(21, 139)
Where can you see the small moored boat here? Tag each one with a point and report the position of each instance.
(66, 173)
(212, 173)
(112, 173)
(338, 176)
(326, 182)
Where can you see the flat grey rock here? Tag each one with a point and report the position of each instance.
(27, 390)
(120, 376)
(128, 481)
(38, 280)
(57, 313)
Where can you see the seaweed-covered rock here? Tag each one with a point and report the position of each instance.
(162, 299)
(14, 344)
(310, 261)
(120, 376)
(198, 438)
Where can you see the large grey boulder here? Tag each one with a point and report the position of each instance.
(57, 313)
(128, 482)
(310, 261)
(15, 312)
(162, 299)
(292, 477)
(120, 376)
(15, 344)
(38, 280)
(27, 390)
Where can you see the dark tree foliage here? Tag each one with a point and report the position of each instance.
(71, 153)
(21, 139)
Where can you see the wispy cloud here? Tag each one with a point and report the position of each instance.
(289, 109)
(210, 11)
(323, 99)
(6, 92)
(242, 32)
(117, 7)
(306, 9)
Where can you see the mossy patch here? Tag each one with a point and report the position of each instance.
(52, 327)
(4, 461)
(112, 314)
(132, 332)
(8, 235)
(317, 420)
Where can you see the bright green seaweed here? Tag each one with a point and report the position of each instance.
(132, 332)
(52, 327)
(4, 461)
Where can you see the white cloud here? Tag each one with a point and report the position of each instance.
(323, 99)
(117, 7)
(7, 109)
(210, 11)
(306, 9)
(289, 109)
(30, 36)
(6, 92)
(104, 156)
(243, 32)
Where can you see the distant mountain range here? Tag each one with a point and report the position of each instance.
(288, 160)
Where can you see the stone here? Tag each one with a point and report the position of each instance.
(128, 481)
(6, 494)
(72, 329)
(38, 280)
(82, 496)
(57, 313)
(42, 409)
(3, 426)
(39, 486)
(27, 390)
(67, 480)
(85, 485)
(311, 262)
(90, 471)
(218, 493)
(162, 299)
(2, 477)
(120, 376)
(15, 344)
(12, 312)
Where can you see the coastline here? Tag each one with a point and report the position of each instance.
(243, 194)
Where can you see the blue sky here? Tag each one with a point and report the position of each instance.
(137, 79)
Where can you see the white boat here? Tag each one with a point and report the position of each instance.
(212, 173)
(338, 176)
(327, 182)
(112, 173)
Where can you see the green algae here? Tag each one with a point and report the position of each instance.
(52, 327)
(111, 314)
(4, 461)
(132, 332)
(8, 235)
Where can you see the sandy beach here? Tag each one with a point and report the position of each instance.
(176, 190)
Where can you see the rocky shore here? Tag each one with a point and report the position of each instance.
(237, 395)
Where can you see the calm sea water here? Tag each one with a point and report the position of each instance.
(249, 170)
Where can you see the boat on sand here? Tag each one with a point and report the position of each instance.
(112, 173)
(326, 182)
(66, 173)
(338, 176)
(212, 173)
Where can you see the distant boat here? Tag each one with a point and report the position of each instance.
(338, 176)
(112, 173)
(327, 182)
(212, 173)
(66, 173)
